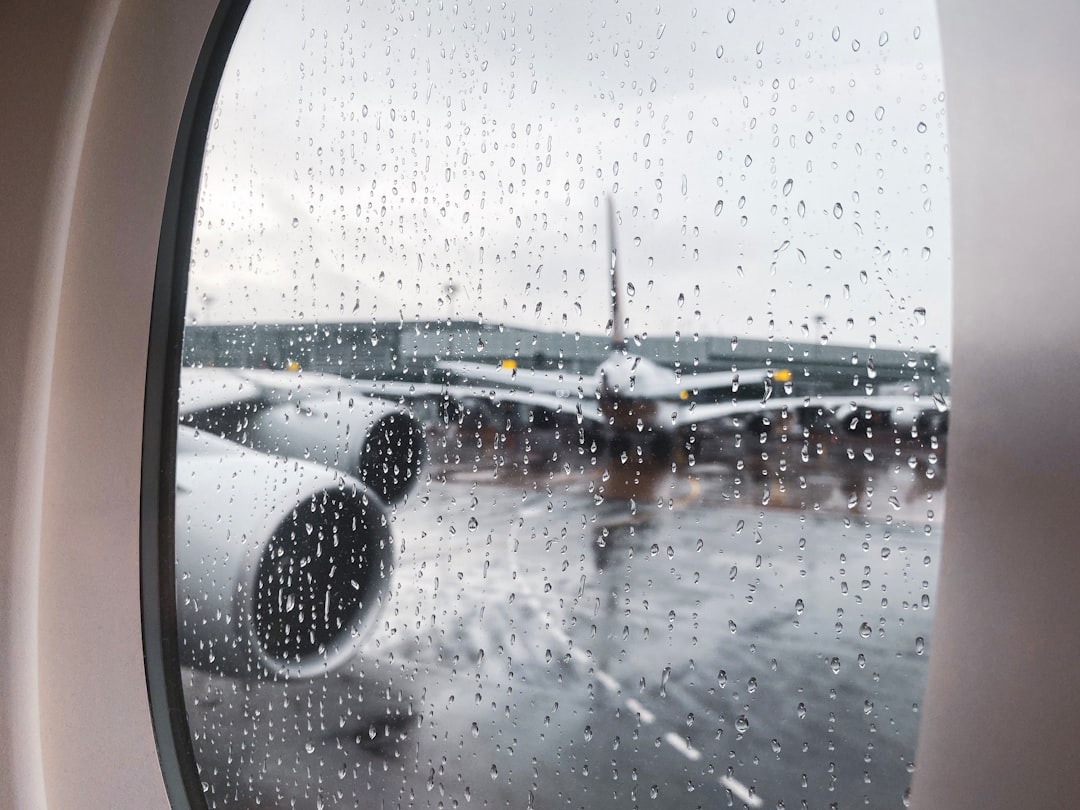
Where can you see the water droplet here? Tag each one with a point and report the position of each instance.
(883, 39)
(718, 208)
(731, 15)
(855, 45)
(838, 210)
(920, 127)
(801, 711)
(588, 733)
(742, 724)
(800, 606)
(920, 645)
(719, 51)
(865, 630)
(920, 315)
(836, 33)
(879, 113)
(834, 665)
(295, 222)
(787, 186)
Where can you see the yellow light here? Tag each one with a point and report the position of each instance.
(782, 375)
(684, 395)
(509, 363)
(292, 365)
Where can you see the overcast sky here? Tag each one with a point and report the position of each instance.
(778, 168)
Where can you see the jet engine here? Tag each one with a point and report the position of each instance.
(316, 418)
(372, 439)
(282, 565)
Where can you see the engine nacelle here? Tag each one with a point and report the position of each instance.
(372, 439)
(282, 565)
(317, 418)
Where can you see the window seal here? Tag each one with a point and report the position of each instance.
(157, 559)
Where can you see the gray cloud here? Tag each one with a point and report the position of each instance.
(360, 162)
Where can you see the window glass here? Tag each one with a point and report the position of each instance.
(565, 406)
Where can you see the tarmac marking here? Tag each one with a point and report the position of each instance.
(646, 716)
(741, 791)
(682, 746)
(607, 681)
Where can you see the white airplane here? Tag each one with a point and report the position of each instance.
(97, 92)
(628, 394)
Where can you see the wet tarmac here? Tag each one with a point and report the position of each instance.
(616, 635)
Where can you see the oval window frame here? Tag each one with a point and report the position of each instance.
(157, 557)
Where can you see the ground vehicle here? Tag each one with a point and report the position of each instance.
(75, 725)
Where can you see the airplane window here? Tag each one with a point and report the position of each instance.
(564, 406)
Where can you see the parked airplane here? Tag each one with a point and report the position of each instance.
(634, 398)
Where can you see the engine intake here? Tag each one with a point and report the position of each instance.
(282, 565)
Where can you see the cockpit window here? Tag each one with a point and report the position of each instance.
(563, 418)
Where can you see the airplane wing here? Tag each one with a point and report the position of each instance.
(584, 408)
(557, 383)
(644, 379)
(903, 411)
(203, 389)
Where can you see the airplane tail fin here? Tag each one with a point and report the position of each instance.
(618, 338)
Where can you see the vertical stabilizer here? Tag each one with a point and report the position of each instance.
(618, 338)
